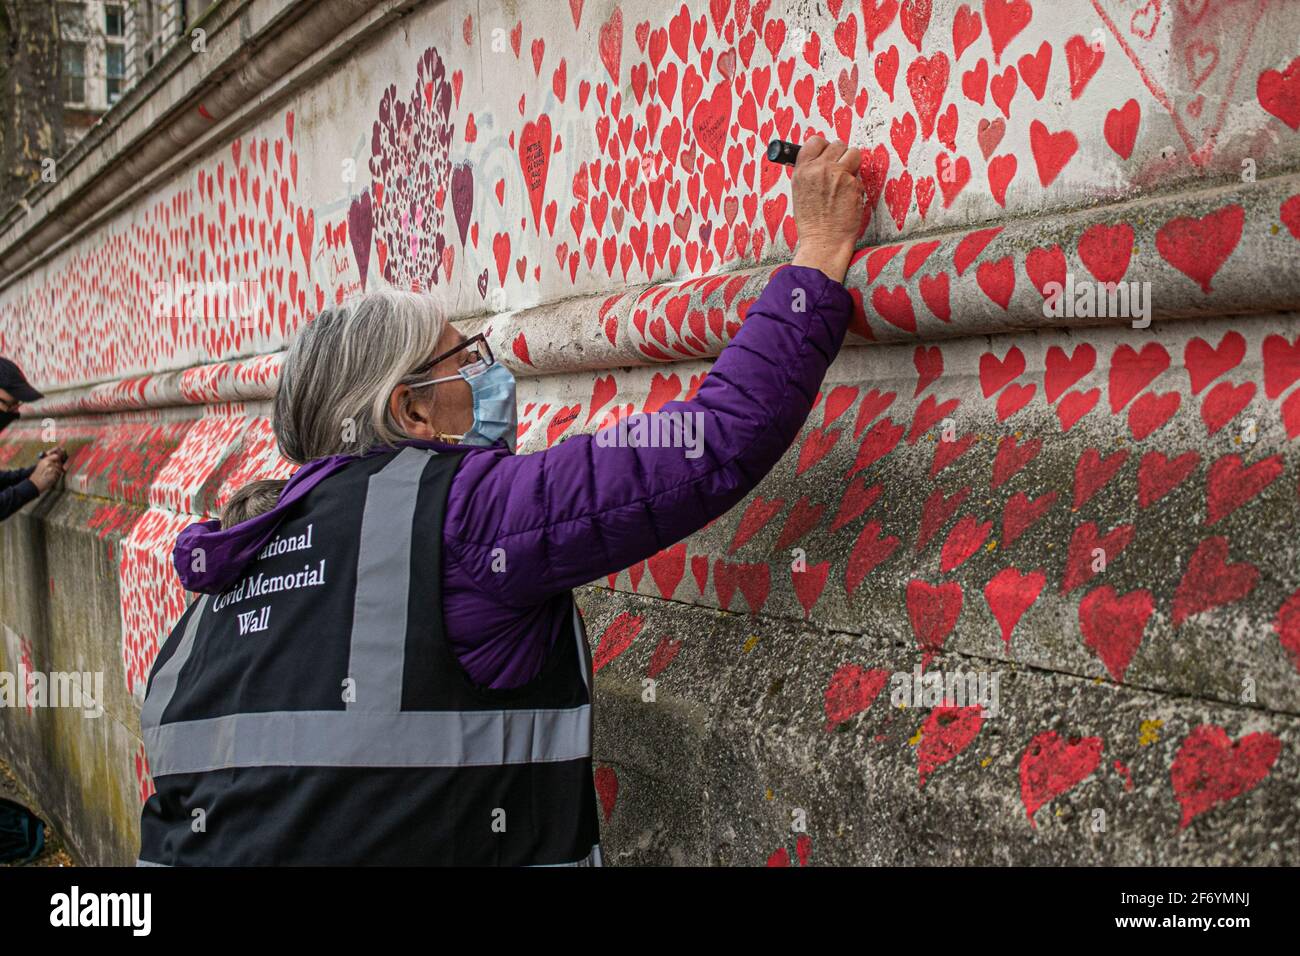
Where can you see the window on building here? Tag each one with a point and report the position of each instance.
(115, 70)
(74, 72)
(114, 22)
(72, 19)
(159, 16)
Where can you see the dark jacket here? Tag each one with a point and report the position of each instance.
(16, 490)
(579, 511)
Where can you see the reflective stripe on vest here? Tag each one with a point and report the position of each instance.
(334, 738)
(593, 858)
(372, 731)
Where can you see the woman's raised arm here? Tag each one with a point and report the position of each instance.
(573, 513)
(586, 508)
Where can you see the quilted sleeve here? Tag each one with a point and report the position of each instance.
(526, 527)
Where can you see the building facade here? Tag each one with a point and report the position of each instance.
(108, 45)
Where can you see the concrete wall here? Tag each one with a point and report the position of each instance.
(582, 181)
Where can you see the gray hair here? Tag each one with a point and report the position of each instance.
(341, 368)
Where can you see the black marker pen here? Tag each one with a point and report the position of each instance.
(779, 151)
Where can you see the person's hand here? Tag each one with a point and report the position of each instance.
(828, 198)
(60, 453)
(48, 471)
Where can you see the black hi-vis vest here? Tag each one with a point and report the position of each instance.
(314, 713)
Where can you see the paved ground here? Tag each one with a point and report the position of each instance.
(55, 853)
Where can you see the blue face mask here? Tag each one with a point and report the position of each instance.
(493, 390)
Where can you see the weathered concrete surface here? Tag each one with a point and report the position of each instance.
(743, 711)
(873, 498)
(594, 203)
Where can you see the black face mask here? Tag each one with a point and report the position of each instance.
(7, 419)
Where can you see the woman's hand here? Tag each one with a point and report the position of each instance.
(828, 198)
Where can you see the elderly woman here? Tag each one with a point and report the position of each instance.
(386, 664)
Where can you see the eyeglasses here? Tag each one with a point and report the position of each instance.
(477, 346)
(9, 404)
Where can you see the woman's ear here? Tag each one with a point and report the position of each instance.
(412, 412)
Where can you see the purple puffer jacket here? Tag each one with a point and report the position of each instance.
(574, 513)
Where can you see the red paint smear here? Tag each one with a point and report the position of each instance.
(617, 638)
(1051, 765)
(945, 734)
(1211, 768)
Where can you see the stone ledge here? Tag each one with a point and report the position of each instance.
(693, 319)
(765, 751)
(257, 44)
